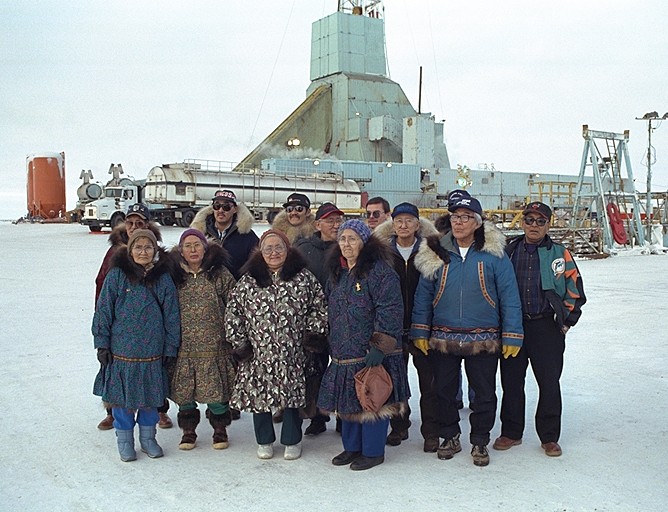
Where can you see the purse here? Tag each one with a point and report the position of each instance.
(373, 386)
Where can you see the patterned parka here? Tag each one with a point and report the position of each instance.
(137, 318)
(271, 313)
(365, 310)
(204, 369)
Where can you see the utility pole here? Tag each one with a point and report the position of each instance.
(649, 117)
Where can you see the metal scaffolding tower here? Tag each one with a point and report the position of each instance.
(613, 200)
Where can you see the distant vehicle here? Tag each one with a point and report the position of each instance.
(175, 192)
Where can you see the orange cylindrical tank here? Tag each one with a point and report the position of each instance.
(46, 172)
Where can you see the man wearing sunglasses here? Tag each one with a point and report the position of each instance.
(296, 219)
(552, 294)
(377, 211)
(230, 224)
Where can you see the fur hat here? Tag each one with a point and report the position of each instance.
(193, 232)
(358, 227)
(142, 233)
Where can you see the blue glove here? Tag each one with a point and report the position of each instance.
(374, 357)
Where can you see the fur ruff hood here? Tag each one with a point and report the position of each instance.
(135, 273)
(119, 235)
(214, 261)
(373, 250)
(294, 233)
(243, 220)
(385, 231)
(258, 270)
(435, 250)
(386, 412)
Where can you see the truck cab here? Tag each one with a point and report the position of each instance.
(109, 210)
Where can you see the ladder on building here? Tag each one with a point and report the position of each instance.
(611, 187)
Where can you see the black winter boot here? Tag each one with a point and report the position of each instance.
(188, 421)
(219, 422)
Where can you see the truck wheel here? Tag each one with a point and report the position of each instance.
(95, 229)
(167, 221)
(188, 217)
(116, 220)
(271, 216)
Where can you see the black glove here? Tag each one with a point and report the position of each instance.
(242, 354)
(374, 357)
(105, 356)
(168, 361)
(314, 342)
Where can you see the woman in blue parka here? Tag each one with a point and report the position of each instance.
(136, 330)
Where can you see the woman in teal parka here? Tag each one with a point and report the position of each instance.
(136, 329)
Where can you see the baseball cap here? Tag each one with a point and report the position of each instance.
(297, 199)
(408, 208)
(457, 194)
(469, 203)
(225, 195)
(539, 208)
(139, 209)
(325, 210)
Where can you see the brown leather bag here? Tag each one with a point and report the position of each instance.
(373, 386)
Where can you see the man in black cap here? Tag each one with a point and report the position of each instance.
(230, 224)
(328, 218)
(552, 294)
(296, 219)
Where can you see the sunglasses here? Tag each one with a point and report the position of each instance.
(375, 214)
(298, 209)
(532, 220)
(225, 206)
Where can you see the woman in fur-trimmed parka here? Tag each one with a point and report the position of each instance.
(136, 327)
(273, 306)
(204, 369)
(366, 312)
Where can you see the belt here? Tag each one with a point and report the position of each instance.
(537, 316)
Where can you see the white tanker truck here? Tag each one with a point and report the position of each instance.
(174, 192)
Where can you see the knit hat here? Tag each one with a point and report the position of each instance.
(145, 233)
(540, 208)
(277, 233)
(359, 227)
(193, 232)
(408, 208)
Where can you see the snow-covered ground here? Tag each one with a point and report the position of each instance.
(615, 424)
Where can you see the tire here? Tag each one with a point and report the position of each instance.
(188, 217)
(271, 216)
(167, 221)
(116, 220)
(95, 229)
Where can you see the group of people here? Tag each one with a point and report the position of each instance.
(285, 326)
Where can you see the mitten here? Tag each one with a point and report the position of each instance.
(314, 342)
(374, 357)
(105, 356)
(422, 344)
(510, 351)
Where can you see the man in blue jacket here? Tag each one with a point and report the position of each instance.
(552, 294)
(467, 308)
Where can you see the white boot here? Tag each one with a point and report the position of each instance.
(265, 451)
(293, 451)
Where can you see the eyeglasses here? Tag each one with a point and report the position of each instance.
(137, 223)
(531, 220)
(225, 206)
(461, 218)
(298, 209)
(278, 249)
(350, 240)
(375, 214)
(142, 248)
(193, 247)
(405, 222)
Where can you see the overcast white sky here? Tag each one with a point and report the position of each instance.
(145, 83)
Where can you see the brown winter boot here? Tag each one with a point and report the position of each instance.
(188, 421)
(219, 422)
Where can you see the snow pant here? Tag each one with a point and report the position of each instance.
(460, 392)
(214, 407)
(428, 398)
(163, 408)
(124, 419)
(402, 423)
(368, 437)
(481, 374)
(291, 429)
(544, 346)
